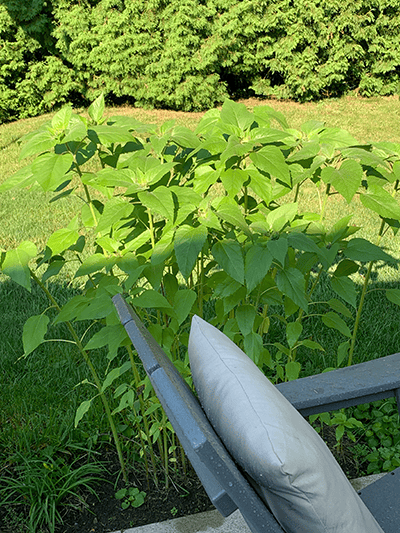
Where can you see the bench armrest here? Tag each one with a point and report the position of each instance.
(353, 385)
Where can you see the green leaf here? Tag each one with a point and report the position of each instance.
(381, 202)
(204, 177)
(231, 213)
(291, 283)
(393, 295)
(99, 307)
(362, 250)
(184, 137)
(156, 172)
(61, 119)
(292, 370)
(138, 241)
(308, 151)
(233, 180)
(236, 114)
(159, 201)
(311, 344)
(114, 374)
(96, 109)
(15, 264)
(76, 130)
(188, 244)
(253, 346)
(303, 242)
(264, 114)
(108, 135)
(245, 316)
(345, 288)
(338, 306)
(151, 299)
(107, 335)
(333, 320)
(228, 255)
(95, 263)
(115, 210)
(35, 328)
(260, 184)
(188, 202)
(163, 249)
(342, 352)
(111, 177)
(346, 180)
(82, 410)
(257, 264)
(282, 348)
(281, 216)
(121, 494)
(49, 169)
(39, 142)
(270, 159)
(53, 269)
(183, 303)
(234, 148)
(62, 239)
(346, 268)
(336, 137)
(70, 310)
(278, 249)
(293, 332)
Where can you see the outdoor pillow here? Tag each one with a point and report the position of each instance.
(296, 474)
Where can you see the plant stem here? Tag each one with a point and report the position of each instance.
(363, 293)
(151, 224)
(165, 446)
(201, 287)
(144, 418)
(328, 188)
(86, 189)
(94, 374)
(296, 194)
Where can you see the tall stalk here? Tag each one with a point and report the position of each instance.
(94, 375)
(362, 298)
(145, 421)
(323, 209)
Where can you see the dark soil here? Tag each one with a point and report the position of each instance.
(103, 513)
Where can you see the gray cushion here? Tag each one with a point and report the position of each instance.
(297, 475)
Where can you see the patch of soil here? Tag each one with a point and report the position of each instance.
(103, 513)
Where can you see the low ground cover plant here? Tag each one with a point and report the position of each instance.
(208, 222)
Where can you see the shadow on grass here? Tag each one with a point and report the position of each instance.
(39, 393)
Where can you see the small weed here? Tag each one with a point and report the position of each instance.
(131, 497)
(174, 511)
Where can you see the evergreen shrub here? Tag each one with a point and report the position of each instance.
(189, 54)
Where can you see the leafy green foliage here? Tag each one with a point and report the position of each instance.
(381, 421)
(131, 497)
(188, 55)
(45, 484)
(208, 223)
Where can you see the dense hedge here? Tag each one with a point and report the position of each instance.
(190, 54)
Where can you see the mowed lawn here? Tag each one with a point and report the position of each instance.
(42, 389)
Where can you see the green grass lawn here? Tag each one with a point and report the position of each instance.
(39, 395)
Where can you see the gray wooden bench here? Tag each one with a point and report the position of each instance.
(226, 485)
